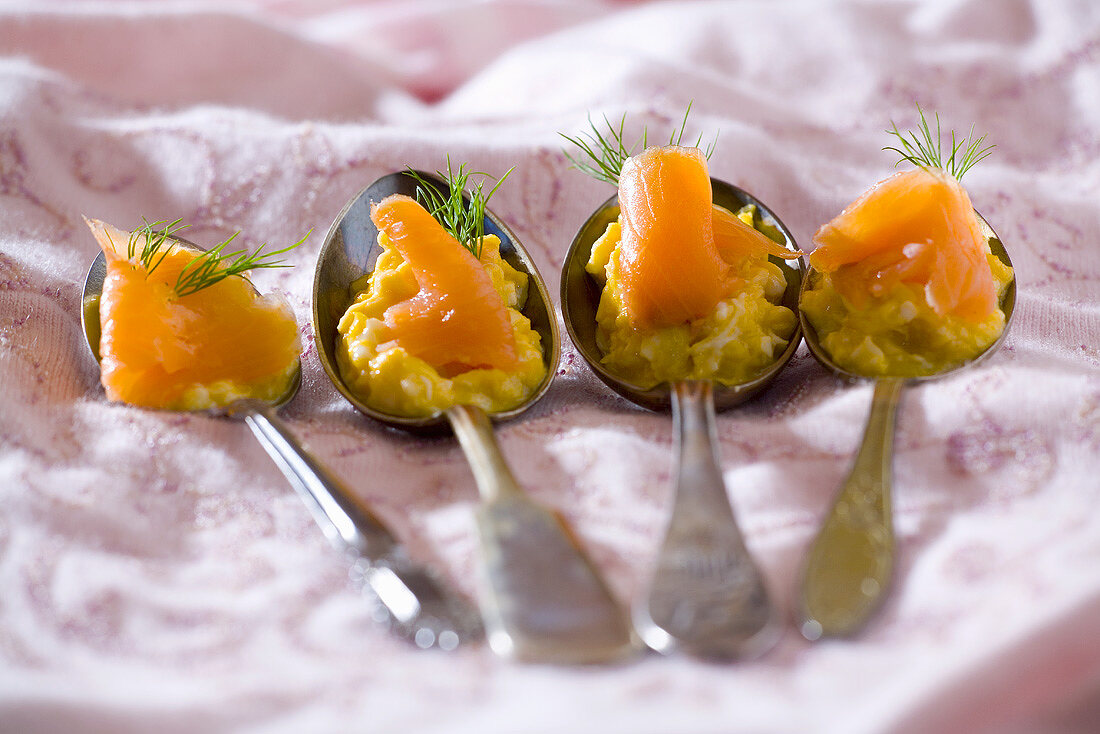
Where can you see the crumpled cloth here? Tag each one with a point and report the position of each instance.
(157, 573)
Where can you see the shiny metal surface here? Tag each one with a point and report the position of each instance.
(542, 600)
(707, 597)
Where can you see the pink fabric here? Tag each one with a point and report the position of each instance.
(157, 574)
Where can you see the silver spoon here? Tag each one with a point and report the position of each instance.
(849, 566)
(413, 602)
(542, 599)
(707, 596)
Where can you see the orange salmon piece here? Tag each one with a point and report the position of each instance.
(737, 241)
(915, 227)
(457, 321)
(156, 345)
(669, 267)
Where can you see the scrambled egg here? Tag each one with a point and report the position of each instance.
(226, 392)
(899, 334)
(737, 340)
(391, 380)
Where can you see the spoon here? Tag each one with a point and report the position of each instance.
(707, 596)
(849, 566)
(412, 601)
(542, 600)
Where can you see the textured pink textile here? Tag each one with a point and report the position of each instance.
(158, 575)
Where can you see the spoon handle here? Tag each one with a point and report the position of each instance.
(707, 596)
(413, 602)
(474, 431)
(543, 600)
(849, 565)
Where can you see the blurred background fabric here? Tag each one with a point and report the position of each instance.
(157, 573)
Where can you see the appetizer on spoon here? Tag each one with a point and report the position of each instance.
(180, 328)
(429, 313)
(908, 283)
(679, 292)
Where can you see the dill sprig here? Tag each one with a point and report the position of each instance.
(465, 223)
(927, 151)
(154, 236)
(205, 268)
(209, 267)
(605, 153)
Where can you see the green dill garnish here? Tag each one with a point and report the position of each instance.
(156, 235)
(209, 267)
(465, 223)
(927, 151)
(605, 156)
(605, 153)
(205, 268)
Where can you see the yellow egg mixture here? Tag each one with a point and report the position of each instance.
(391, 380)
(898, 334)
(736, 341)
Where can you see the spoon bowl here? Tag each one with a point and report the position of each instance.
(542, 600)
(1007, 305)
(707, 597)
(89, 322)
(580, 299)
(351, 250)
(849, 566)
(437, 618)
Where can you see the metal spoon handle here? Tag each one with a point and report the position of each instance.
(344, 521)
(849, 565)
(475, 434)
(707, 596)
(543, 600)
(413, 601)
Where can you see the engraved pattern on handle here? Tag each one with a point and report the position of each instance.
(707, 596)
(411, 599)
(850, 563)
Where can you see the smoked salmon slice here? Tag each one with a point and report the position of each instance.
(677, 247)
(916, 227)
(737, 241)
(669, 267)
(157, 347)
(457, 321)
